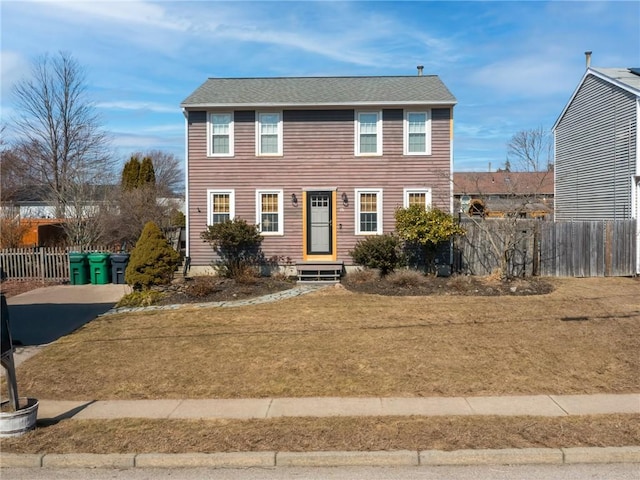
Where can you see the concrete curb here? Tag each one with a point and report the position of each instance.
(510, 456)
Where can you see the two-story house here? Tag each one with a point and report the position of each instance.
(318, 163)
(597, 149)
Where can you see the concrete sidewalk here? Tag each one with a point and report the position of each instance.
(536, 405)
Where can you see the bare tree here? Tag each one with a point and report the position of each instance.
(531, 150)
(62, 144)
(133, 209)
(502, 212)
(504, 204)
(168, 171)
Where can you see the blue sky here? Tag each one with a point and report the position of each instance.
(511, 65)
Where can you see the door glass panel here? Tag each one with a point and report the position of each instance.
(320, 223)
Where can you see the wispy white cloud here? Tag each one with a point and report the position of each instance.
(525, 76)
(132, 12)
(136, 105)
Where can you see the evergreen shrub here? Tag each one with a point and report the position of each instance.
(152, 260)
(238, 244)
(383, 252)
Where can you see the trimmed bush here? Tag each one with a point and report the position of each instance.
(428, 228)
(152, 260)
(383, 252)
(237, 243)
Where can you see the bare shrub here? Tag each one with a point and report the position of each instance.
(247, 275)
(406, 278)
(365, 275)
(200, 287)
(460, 283)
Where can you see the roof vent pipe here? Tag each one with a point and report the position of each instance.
(420, 68)
(588, 58)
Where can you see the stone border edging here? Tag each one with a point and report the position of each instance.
(407, 458)
(295, 291)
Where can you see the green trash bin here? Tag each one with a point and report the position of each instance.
(99, 268)
(78, 268)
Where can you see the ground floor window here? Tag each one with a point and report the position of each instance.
(269, 212)
(417, 196)
(368, 211)
(220, 206)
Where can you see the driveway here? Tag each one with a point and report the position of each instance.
(43, 315)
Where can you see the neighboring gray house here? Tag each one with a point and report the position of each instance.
(597, 154)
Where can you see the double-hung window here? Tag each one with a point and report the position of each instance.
(269, 133)
(220, 134)
(269, 212)
(368, 211)
(220, 206)
(417, 133)
(368, 133)
(417, 196)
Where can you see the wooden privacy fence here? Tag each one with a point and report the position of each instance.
(39, 263)
(534, 247)
(588, 249)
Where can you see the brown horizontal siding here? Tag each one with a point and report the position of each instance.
(318, 153)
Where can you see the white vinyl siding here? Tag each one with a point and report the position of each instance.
(368, 133)
(220, 138)
(417, 133)
(269, 133)
(417, 196)
(220, 206)
(269, 212)
(368, 219)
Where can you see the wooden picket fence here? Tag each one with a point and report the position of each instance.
(39, 263)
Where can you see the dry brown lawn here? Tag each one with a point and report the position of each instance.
(322, 434)
(581, 338)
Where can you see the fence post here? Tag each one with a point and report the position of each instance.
(41, 263)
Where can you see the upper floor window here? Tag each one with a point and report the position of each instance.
(417, 133)
(368, 212)
(220, 134)
(220, 206)
(269, 212)
(368, 133)
(269, 133)
(417, 196)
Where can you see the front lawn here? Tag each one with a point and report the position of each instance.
(581, 338)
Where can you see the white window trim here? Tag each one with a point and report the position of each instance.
(378, 151)
(232, 203)
(210, 135)
(258, 139)
(427, 140)
(280, 194)
(407, 191)
(378, 192)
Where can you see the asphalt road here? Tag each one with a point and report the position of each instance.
(526, 472)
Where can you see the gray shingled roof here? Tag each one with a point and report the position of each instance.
(622, 75)
(328, 91)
